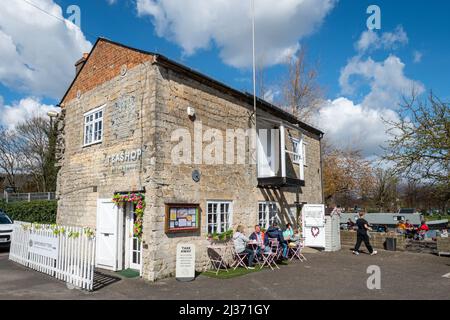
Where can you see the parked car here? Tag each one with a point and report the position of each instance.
(6, 229)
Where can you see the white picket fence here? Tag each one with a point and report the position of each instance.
(75, 254)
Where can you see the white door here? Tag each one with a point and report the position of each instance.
(268, 152)
(107, 235)
(313, 220)
(133, 243)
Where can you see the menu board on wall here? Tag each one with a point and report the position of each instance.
(182, 217)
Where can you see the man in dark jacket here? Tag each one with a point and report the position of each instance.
(275, 233)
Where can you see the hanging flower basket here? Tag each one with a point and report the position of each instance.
(138, 199)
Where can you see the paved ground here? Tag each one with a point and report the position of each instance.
(339, 275)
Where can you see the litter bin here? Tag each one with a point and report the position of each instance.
(391, 244)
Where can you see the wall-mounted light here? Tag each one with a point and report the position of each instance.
(191, 111)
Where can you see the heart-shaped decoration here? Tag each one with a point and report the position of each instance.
(315, 231)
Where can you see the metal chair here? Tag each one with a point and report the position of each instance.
(269, 257)
(296, 252)
(216, 260)
(239, 260)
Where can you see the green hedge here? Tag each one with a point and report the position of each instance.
(40, 211)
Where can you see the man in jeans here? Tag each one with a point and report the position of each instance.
(361, 235)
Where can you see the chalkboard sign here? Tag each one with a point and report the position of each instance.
(182, 218)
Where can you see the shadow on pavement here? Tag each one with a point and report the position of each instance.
(4, 250)
(102, 280)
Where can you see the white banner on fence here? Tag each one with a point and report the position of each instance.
(44, 246)
(68, 255)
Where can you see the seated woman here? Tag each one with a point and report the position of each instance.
(289, 234)
(240, 245)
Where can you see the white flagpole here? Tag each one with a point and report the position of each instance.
(254, 86)
(254, 61)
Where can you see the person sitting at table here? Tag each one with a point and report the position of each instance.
(240, 245)
(258, 236)
(409, 229)
(401, 227)
(275, 233)
(289, 234)
(422, 230)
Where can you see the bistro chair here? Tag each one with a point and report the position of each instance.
(216, 260)
(296, 252)
(239, 260)
(270, 256)
(276, 247)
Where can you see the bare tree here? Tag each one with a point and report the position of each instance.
(385, 193)
(420, 140)
(11, 155)
(302, 93)
(35, 133)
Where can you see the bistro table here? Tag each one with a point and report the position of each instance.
(254, 245)
(220, 255)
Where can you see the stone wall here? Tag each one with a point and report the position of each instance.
(377, 240)
(87, 172)
(142, 108)
(228, 182)
(443, 245)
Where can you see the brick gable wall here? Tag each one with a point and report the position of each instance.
(104, 64)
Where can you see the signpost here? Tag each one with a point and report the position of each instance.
(185, 267)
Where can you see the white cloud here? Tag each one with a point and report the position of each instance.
(348, 124)
(417, 56)
(38, 50)
(23, 109)
(271, 94)
(386, 80)
(370, 40)
(198, 24)
(360, 124)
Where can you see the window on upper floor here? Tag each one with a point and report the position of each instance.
(299, 148)
(93, 126)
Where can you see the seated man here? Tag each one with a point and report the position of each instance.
(275, 233)
(258, 236)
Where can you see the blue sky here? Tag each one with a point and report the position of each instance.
(330, 30)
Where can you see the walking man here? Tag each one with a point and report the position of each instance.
(361, 235)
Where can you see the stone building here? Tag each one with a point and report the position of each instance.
(136, 122)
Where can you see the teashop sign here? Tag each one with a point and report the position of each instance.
(124, 161)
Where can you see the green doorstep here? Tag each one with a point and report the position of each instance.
(129, 273)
